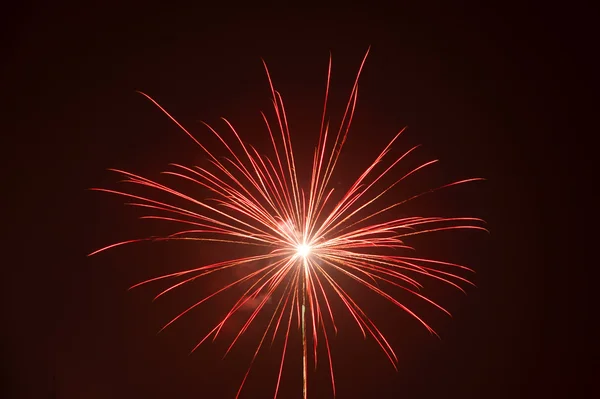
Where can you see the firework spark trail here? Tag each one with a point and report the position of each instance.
(308, 239)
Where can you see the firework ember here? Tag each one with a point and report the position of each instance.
(309, 236)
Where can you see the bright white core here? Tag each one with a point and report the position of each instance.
(303, 250)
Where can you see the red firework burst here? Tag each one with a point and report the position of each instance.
(306, 236)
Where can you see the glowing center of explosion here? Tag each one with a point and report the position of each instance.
(303, 250)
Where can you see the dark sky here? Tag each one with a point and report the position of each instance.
(478, 88)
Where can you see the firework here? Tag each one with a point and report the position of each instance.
(308, 237)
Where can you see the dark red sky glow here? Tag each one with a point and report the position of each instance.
(475, 87)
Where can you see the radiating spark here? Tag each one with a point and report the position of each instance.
(308, 238)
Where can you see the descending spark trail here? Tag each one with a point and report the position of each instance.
(304, 350)
(311, 242)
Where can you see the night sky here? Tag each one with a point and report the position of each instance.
(476, 87)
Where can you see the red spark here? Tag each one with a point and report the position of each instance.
(305, 234)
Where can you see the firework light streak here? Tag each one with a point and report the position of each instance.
(308, 237)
